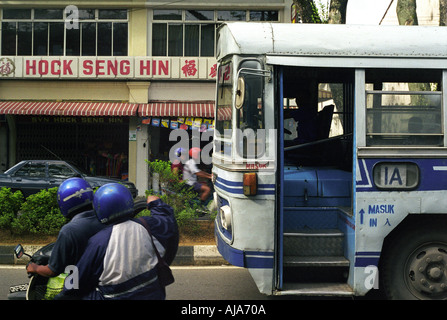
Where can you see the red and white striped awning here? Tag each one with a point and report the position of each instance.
(83, 109)
(203, 109)
(200, 109)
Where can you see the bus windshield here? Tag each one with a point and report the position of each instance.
(223, 124)
(250, 110)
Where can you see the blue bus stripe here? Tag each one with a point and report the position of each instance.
(231, 190)
(367, 253)
(265, 191)
(367, 258)
(245, 259)
(365, 262)
(240, 184)
(236, 187)
(259, 253)
(241, 191)
(230, 183)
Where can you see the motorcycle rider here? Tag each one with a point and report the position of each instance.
(75, 200)
(191, 172)
(119, 261)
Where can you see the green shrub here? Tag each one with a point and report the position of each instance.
(9, 206)
(39, 214)
(177, 194)
(182, 202)
(163, 168)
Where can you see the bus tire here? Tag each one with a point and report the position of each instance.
(414, 265)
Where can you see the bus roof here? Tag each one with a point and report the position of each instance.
(344, 45)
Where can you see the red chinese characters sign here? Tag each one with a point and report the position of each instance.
(189, 68)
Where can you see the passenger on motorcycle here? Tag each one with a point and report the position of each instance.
(119, 261)
(75, 198)
(191, 172)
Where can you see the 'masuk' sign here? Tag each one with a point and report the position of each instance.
(108, 67)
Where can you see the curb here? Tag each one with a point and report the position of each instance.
(186, 255)
(7, 254)
(198, 255)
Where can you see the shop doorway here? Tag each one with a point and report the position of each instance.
(99, 145)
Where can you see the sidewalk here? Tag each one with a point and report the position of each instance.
(186, 255)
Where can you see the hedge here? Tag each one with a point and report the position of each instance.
(39, 213)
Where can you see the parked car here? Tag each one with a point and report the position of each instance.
(31, 176)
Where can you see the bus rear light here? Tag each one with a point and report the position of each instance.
(250, 184)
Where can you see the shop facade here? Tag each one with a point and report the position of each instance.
(103, 83)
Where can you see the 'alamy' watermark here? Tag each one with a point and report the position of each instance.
(71, 17)
(253, 146)
(72, 279)
(372, 279)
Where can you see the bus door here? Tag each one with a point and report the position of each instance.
(315, 174)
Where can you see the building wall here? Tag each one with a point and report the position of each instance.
(176, 86)
(62, 90)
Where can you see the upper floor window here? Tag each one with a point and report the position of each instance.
(45, 32)
(186, 33)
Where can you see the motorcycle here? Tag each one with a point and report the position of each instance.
(38, 287)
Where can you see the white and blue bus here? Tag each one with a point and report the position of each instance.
(341, 190)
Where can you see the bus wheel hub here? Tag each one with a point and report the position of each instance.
(435, 273)
(428, 272)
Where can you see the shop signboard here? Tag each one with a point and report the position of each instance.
(65, 67)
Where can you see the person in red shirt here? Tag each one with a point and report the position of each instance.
(191, 172)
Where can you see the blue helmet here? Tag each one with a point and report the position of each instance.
(74, 194)
(112, 202)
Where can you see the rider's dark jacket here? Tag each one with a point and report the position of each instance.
(119, 261)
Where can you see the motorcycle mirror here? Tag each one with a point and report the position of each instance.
(19, 251)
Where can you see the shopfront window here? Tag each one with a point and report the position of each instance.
(72, 141)
(192, 33)
(231, 15)
(264, 15)
(48, 14)
(44, 32)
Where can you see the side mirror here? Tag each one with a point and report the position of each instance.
(240, 92)
(19, 251)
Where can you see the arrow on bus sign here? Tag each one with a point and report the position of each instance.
(362, 212)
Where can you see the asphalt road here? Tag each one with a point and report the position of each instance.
(213, 283)
(192, 283)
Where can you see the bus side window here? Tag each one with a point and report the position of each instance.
(403, 117)
(403, 107)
